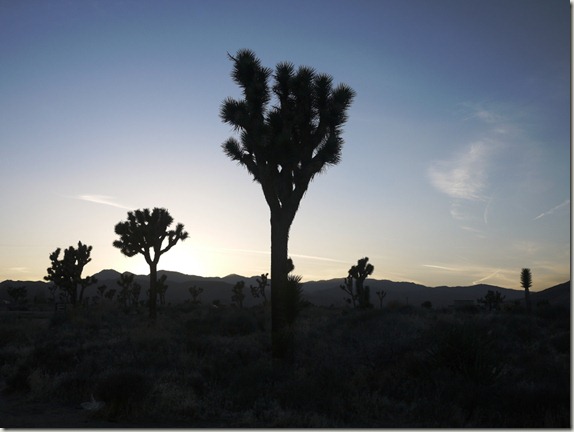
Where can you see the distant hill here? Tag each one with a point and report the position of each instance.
(325, 293)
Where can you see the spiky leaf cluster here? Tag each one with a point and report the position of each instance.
(286, 144)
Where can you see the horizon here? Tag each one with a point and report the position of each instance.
(303, 282)
(455, 169)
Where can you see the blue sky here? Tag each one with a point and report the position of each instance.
(455, 169)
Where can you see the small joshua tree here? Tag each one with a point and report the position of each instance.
(129, 294)
(348, 287)
(259, 290)
(161, 289)
(354, 284)
(195, 293)
(66, 273)
(526, 282)
(381, 295)
(238, 295)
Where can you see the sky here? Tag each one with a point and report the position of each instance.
(455, 168)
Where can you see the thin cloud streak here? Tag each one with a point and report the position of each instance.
(258, 252)
(486, 278)
(553, 210)
(102, 199)
(440, 267)
(465, 176)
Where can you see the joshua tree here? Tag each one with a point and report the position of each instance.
(67, 272)
(526, 282)
(360, 272)
(238, 295)
(145, 232)
(284, 146)
(130, 292)
(381, 295)
(195, 292)
(161, 289)
(101, 291)
(259, 290)
(349, 289)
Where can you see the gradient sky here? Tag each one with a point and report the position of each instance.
(455, 169)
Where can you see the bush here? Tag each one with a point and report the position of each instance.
(123, 393)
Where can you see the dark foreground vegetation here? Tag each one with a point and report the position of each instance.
(200, 366)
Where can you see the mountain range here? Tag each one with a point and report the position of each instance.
(324, 293)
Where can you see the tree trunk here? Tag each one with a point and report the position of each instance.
(281, 345)
(527, 299)
(152, 291)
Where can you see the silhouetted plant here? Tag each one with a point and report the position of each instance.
(161, 289)
(195, 293)
(52, 290)
(359, 273)
(283, 147)
(359, 295)
(130, 290)
(17, 294)
(381, 295)
(144, 232)
(110, 294)
(293, 298)
(259, 290)
(426, 304)
(101, 291)
(66, 273)
(238, 295)
(349, 288)
(526, 282)
(492, 300)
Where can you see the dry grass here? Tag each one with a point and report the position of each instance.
(399, 367)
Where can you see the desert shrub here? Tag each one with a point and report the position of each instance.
(123, 392)
(467, 348)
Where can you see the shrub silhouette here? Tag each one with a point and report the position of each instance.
(143, 232)
(492, 300)
(284, 147)
(66, 273)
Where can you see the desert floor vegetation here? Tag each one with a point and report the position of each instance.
(200, 366)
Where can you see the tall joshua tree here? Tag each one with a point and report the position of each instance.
(145, 232)
(66, 273)
(284, 146)
(526, 282)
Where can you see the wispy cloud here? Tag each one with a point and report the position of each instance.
(465, 175)
(102, 199)
(259, 252)
(486, 277)
(440, 267)
(553, 210)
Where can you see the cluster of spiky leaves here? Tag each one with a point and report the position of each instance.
(285, 145)
(145, 231)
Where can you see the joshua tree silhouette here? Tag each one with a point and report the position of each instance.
(283, 147)
(526, 282)
(145, 232)
(67, 272)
